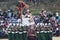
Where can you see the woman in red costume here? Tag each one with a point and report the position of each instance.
(21, 6)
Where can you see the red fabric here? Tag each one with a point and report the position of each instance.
(22, 4)
(55, 25)
(58, 35)
(31, 31)
(7, 23)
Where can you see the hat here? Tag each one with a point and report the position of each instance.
(28, 10)
(49, 23)
(57, 29)
(41, 24)
(9, 10)
(13, 24)
(45, 23)
(17, 24)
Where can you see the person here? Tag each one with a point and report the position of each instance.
(31, 35)
(1, 14)
(6, 24)
(36, 19)
(25, 20)
(57, 32)
(59, 18)
(9, 13)
(21, 6)
(5, 14)
(27, 13)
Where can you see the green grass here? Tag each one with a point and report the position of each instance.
(35, 12)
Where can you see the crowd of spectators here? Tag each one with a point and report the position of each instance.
(45, 20)
(48, 19)
(6, 17)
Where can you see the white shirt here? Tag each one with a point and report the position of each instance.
(57, 14)
(25, 21)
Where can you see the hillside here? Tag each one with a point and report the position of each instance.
(52, 5)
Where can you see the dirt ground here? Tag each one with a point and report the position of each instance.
(54, 38)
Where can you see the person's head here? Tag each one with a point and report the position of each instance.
(21, 4)
(9, 10)
(27, 11)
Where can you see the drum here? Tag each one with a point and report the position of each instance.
(24, 35)
(20, 36)
(10, 35)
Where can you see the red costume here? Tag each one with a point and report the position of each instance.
(31, 31)
(20, 6)
(31, 35)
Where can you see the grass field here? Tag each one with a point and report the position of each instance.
(54, 38)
